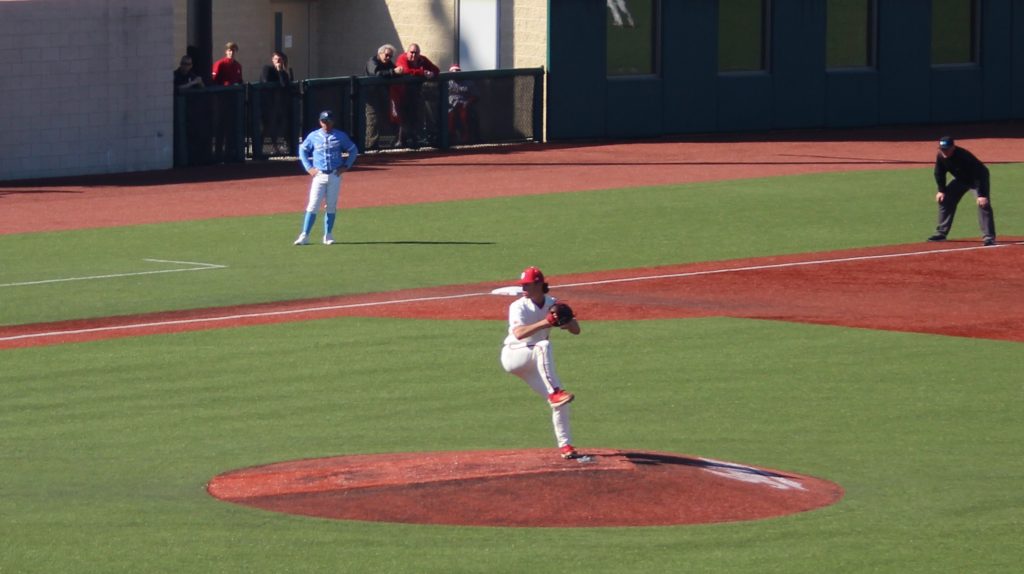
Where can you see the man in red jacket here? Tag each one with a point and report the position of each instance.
(227, 71)
(406, 98)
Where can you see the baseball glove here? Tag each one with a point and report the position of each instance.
(560, 314)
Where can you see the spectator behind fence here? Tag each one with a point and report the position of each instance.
(381, 65)
(462, 98)
(275, 107)
(184, 78)
(277, 72)
(407, 98)
(197, 141)
(226, 72)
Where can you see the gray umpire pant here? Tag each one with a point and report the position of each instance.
(947, 209)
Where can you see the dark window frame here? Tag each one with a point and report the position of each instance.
(975, 43)
(656, 50)
(766, 46)
(872, 42)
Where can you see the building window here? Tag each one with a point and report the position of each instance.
(955, 31)
(850, 33)
(632, 37)
(742, 35)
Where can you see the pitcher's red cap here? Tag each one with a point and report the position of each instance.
(531, 275)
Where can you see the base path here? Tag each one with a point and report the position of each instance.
(514, 488)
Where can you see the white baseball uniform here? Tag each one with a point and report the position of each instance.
(532, 360)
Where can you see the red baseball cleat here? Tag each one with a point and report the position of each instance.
(569, 452)
(560, 397)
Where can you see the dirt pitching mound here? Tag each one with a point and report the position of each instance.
(525, 488)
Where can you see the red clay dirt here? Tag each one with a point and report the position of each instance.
(525, 488)
(891, 288)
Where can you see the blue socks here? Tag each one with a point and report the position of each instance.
(307, 224)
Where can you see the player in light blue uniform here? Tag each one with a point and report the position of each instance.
(325, 154)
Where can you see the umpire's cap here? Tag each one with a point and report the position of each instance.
(532, 275)
(327, 116)
(946, 142)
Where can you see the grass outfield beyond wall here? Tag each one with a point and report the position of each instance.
(107, 446)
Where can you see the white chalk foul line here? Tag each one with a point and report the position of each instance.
(306, 310)
(195, 267)
(784, 265)
(262, 314)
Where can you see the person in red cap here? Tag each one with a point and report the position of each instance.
(527, 352)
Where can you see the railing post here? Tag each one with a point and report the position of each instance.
(255, 125)
(358, 115)
(444, 138)
(180, 132)
(538, 105)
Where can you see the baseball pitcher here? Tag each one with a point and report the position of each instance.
(527, 351)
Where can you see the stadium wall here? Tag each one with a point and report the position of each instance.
(689, 95)
(86, 87)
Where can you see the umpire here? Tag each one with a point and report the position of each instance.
(969, 174)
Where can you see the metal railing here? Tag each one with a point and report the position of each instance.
(260, 121)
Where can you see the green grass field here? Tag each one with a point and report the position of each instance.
(107, 446)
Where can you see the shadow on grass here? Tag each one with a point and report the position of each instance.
(410, 242)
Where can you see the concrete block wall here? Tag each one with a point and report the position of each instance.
(180, 31)
(87, 87)
(343, 34)
(351, 31)
(250, 24)
(88, 82)
(524, 37)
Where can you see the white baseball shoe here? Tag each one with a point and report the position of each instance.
(302, 240)
(328, 239)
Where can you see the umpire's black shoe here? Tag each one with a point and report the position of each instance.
(988, 242)
(937, 237)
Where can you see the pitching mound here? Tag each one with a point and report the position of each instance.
(525, 488)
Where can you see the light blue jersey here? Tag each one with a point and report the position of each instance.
(323, 150)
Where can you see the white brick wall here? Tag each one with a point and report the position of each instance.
(88, 89)
(345, 33)
(363, 25)
(88, 83)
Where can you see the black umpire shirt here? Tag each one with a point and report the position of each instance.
(964, 167)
